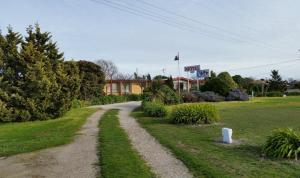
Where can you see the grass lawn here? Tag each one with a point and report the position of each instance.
(200, 150)
(30, 136)
(117, 157)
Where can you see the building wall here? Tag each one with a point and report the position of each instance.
(136, 89)
(119, 88)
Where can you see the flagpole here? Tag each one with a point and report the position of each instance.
(178, 74)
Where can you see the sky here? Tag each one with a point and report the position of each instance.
(243, 37)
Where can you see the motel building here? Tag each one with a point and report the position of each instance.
(123, 87)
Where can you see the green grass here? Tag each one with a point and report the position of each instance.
(200, 150)
(30, 136)
(117, 157)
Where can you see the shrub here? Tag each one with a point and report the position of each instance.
(160, 93)
(237, 95)
(274, 94)
(283, 143)
(168, 96)
(216, 85)
(109, 99)
(154, 109)
(209, 96)
(133, 97)
(225, 76)
(76, 103)
(194, 114)
(292, 93)
(189, 97)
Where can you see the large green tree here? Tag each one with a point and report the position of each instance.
(34, 84)
(92, 80)
(221, 84)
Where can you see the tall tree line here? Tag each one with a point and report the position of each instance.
(35, 82)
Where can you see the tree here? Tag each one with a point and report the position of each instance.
(238, 80)
(221, 84)
(216, 85)
(213, 74)
(73, 78)
(10, 74)
(92, 80)
(110, 70)
(225, 77)
(33, 81)
(276, 83)
(59, 92)
(169, 82)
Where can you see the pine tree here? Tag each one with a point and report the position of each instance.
(34, 83)
(11, 76)
(276, 82)
(53, 62)
(92, 80)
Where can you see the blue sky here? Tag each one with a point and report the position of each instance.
(223, 35)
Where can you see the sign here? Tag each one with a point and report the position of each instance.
(192, 68)
(203, 73)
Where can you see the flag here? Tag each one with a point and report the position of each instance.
(176, 58)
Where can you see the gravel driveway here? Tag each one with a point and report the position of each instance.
(75, 160)
(162, 162)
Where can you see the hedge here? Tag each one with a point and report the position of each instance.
(110, 99)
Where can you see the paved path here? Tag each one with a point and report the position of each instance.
(75, 160)
(162, 162)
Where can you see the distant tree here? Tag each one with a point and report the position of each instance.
(297, 85)
(169, 82)
(276, 83)
(213, 74)
(160, 77)
(216, 85)
(92, 80)
(110, 70)
(225, 76)
(148, 77)
(221, 84)
(238, 80)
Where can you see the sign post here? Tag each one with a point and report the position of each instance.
(191, 69)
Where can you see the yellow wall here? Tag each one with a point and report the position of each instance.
(134, 89)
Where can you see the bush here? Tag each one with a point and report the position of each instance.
(109, 99)
(160, 93)
(216, 85)
(194, 114)
(154, 109)
(292, 93)
(76, 103)
(283, 143)
(168, 96)
(189, 98)
(209, 96)
(274, 94)
(237, 95)
(133, 97)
